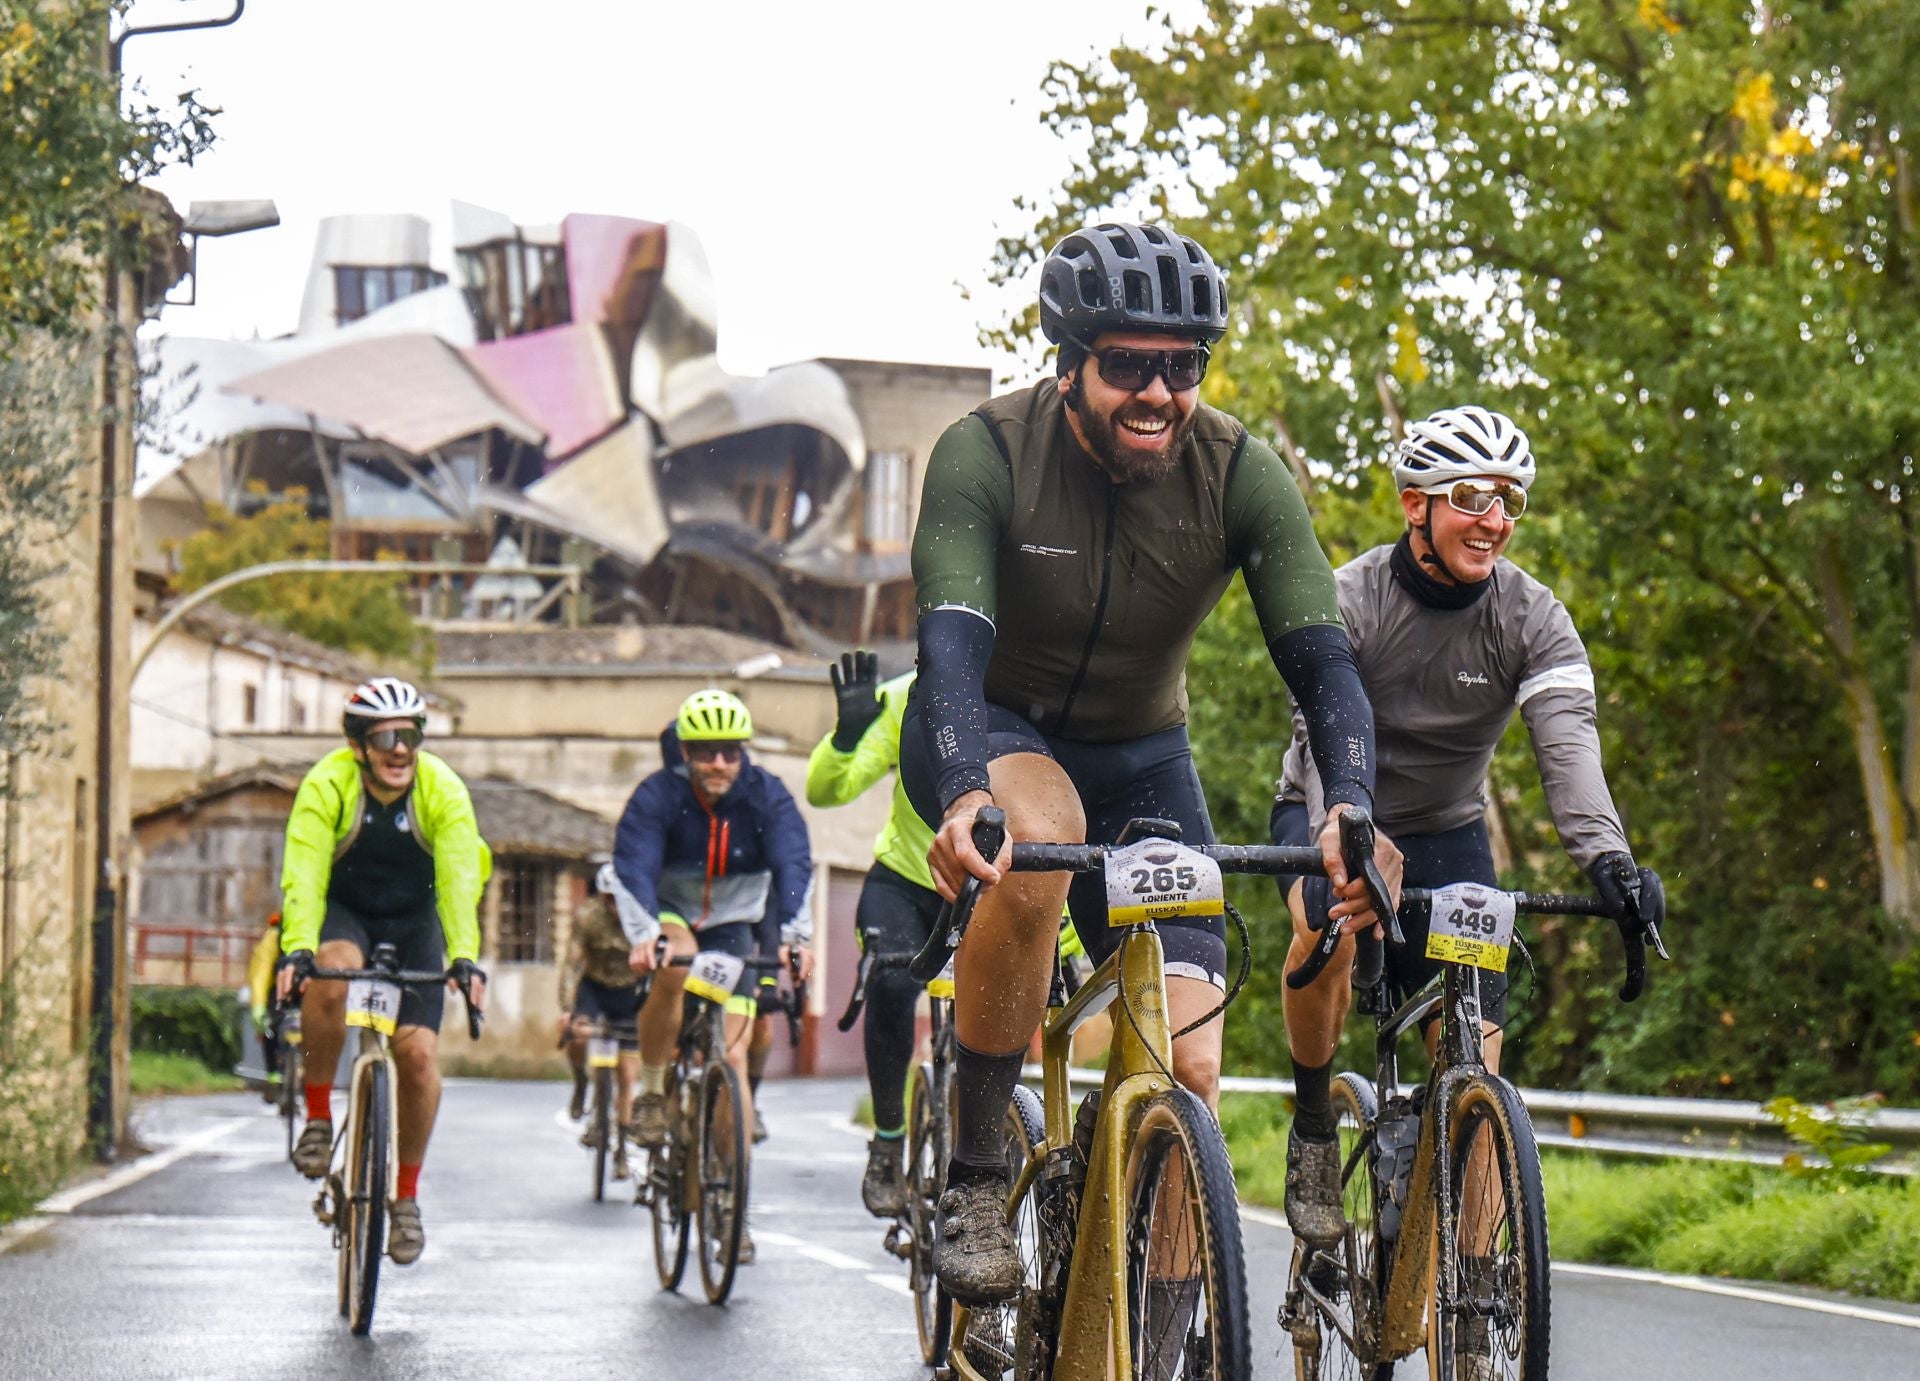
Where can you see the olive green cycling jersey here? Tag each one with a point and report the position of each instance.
(1096, 589)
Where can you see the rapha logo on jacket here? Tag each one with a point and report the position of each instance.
(1471, 678)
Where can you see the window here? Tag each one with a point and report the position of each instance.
(360, 289)
(886, 512)
(526, 913)
(249, 704)
(514, 287)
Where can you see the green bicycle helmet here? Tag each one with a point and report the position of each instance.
(713, 716)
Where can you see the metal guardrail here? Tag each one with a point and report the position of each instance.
(1634, 1125)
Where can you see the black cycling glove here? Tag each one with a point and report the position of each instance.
(463, 972)
(301, 962)
(1614, 874)
(856, 681)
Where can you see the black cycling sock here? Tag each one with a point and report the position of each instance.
(891, 997)
(757, 1058)
(1312, 1104)
(982, 1087)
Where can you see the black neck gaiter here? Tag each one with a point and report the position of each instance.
(1434, 594)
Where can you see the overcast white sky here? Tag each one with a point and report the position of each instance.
(846, 163)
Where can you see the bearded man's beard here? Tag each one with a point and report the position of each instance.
(1109, 443)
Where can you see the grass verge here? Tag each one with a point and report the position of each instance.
(154, 1071)
(1853, 1233)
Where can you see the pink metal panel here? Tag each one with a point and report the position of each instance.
(564, 379)
(613, 264)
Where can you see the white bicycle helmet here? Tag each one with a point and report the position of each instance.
(384, 697)
(1457, 442)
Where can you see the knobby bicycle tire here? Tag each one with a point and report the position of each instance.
(722, 1211)
(292, 1091)
(990, 1335)
(926, 1177)
(1176, 1145)
(1500, 1250)
(1352, 1274)
(667, 1190)
(367, 1236)
(602, 1131)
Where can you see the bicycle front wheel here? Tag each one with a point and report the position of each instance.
(1497, 1255)
(602, 1129)
(1335, 1334)
(1186, 1275)
(367, 1212)
(292, 1091)
(926, 1176)
(722, 1211)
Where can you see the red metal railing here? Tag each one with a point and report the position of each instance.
(191, 955)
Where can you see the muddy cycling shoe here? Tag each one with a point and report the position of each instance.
(620, 1167)
(577, 1107)
(744, 1257)
(1313, 1190)
(759, 1126)
(974, 1253)
(313, 1152)
(406, 1238)
(650, 1120)
(883, 1189)
(590, 1138)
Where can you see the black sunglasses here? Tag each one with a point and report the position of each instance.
(710, 752)
(386, 740)
(1122, 366)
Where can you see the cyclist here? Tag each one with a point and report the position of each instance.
(1451, 638)
(596, 982)
(1072, 537)
(382, 848)
(897, 902)
(716, 856)
(260, 968)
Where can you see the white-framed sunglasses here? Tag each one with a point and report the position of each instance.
(1476, 497)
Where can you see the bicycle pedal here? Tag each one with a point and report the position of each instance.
(899, 1241)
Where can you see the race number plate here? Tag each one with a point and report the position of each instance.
(943, 985)
(373, 1003)
(1152, 879)
(714, 975)
(603, 1052)
(1471, 925)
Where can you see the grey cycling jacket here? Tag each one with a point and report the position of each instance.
(1444, 684)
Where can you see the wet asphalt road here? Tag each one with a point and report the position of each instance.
(214, 1267)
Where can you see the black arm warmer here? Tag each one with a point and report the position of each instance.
(1317, 664)
(955, 646)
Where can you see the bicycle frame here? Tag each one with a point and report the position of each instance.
(1093, 1342)
(375, 1048)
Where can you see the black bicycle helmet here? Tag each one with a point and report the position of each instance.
(1113, 277)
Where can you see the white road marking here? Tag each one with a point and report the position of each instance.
(1731, 1291)
(1698, 1284)
(826, 1256)
(69, 1199)
(898, 1285)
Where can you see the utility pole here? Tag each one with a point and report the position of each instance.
(111, 689)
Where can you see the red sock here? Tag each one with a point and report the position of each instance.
(409, 1187)
(319, 1102)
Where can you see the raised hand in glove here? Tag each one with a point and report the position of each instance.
(856, 681)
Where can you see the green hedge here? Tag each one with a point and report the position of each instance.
(203, 1023)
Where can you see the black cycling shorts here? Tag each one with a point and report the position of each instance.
(1150, 777)
(895, 916)
(416, 939)
(1462, 854)
(618, 1007)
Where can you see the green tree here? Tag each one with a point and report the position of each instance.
(1677, 242)
(69, 153)
(361, 613)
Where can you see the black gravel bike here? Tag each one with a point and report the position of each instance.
(354, 1196)
(696, 1185)
(1446, 1240)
